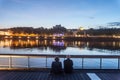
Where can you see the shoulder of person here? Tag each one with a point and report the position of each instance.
(53, 62)
(65, 60)
(60, 62)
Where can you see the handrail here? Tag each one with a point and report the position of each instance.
(46, 56)
(63, 56)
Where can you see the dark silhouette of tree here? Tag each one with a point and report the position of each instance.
(22, 30)
(101, 31)
(40, 30)
(57, 29)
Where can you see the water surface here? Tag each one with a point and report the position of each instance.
(59, 47)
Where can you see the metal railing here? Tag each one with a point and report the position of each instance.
(79, 60)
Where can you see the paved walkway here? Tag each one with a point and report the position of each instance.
(44, 75)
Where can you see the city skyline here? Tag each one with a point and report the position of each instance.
(68, 13)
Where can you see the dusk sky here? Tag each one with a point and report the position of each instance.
(68, 13)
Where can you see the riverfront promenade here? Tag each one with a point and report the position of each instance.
(10, 72)
(66, 37)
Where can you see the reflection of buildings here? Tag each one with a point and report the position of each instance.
(5, 43)
(104, 45)
(57, 45)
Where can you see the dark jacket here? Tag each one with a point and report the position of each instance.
(68, 65)
(56, 67)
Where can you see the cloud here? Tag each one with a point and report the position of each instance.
(114, 24)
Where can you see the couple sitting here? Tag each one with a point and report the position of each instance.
(56, 67)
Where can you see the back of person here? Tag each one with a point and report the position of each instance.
(56, 67)
(68, 65)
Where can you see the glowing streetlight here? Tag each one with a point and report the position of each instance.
(81, 28)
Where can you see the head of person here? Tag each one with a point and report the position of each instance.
(57, 59)
(68, 56)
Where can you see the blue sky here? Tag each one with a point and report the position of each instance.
(69, 13)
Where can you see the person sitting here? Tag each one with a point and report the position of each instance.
(56, 67)
(68, 65)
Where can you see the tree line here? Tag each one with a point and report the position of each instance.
(101, 31)
(58, 29)
(41, 30)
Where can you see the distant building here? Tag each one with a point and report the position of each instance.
(74, 31)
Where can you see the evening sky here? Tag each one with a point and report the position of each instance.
(69, 13)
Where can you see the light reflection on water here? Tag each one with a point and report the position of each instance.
(59, 47)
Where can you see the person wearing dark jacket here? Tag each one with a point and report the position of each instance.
(56, 67)
(68, 65)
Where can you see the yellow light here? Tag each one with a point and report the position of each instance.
(20, 37)
(2, 33)
(79, 43)
(4, 56)
(62, 37)
(45, 37)
(81, 28)
(6, 36)
(37, 37)
(45, 42)
(19, 56)
(28, 37)
(53, 37)
(76, 35)
(11, 37)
